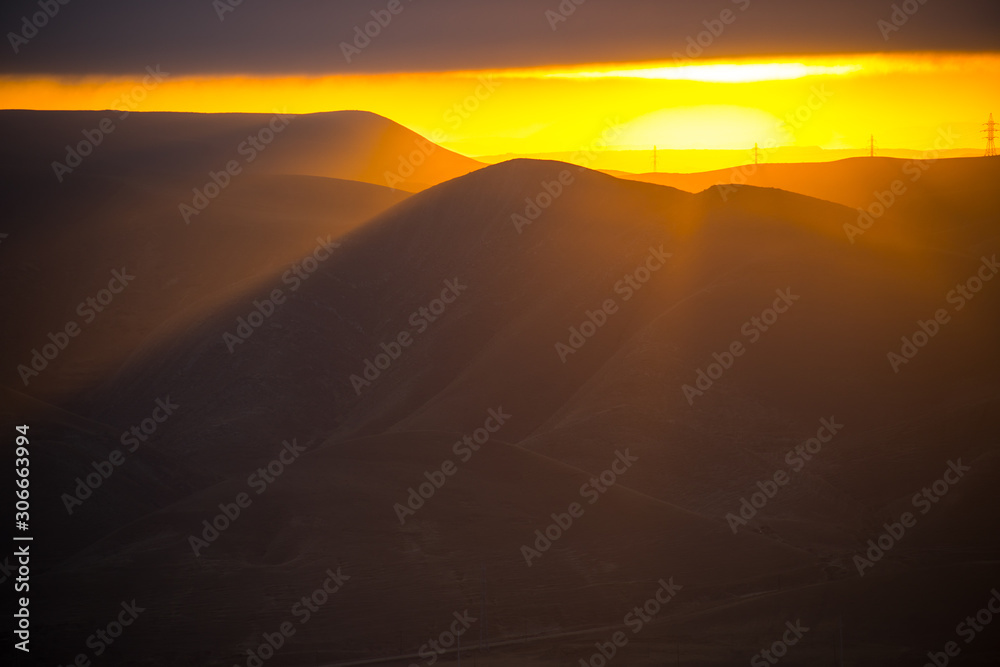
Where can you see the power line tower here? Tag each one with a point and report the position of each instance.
(990, 131)
(756, 154)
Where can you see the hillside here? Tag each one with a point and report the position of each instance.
(513, 282)
(348, 145)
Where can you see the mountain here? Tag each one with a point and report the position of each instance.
(112, 260)
(348, 145)
(667, 354)
(706, 159)
(199, 208)
(855, 182)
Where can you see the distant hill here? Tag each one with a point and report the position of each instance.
(852, 182)
(159, 196)
(701, 160)
(350, 145)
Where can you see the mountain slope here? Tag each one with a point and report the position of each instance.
(350, 145)
(855, 182)
(519, 254)
(62, 255)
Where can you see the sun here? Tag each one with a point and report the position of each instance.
(702, 127)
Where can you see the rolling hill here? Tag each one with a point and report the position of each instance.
(597, 313)
(348, 145)
(854, 182)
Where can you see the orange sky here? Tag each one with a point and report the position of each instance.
(832, 102)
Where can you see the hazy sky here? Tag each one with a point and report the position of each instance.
(303, 36)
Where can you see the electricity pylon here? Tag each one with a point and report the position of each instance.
(990, 131)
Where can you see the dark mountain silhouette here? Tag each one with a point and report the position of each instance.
(78, 235)
(854, 182)
(526, 252)
(158, 197)
(350, 145)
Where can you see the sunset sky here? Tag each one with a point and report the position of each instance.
(528, 79)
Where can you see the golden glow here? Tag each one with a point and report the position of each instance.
(718, 73)
(704, 127)
(802, 103)
(742, 70)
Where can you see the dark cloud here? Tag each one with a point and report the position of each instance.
(262, 36)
